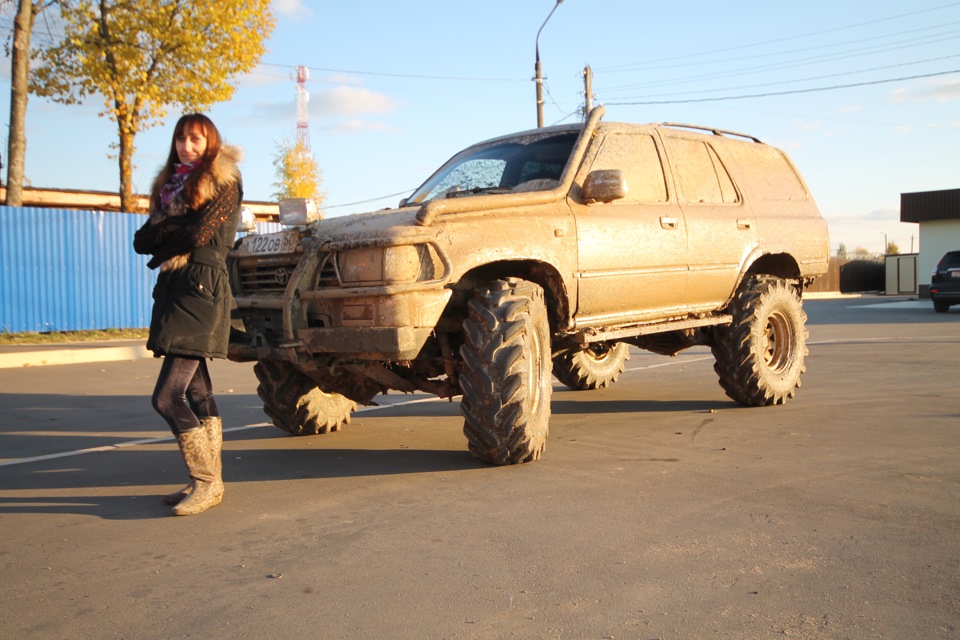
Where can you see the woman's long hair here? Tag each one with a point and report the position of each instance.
(214, 143)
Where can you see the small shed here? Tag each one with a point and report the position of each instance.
(938, 214)
(900, 271)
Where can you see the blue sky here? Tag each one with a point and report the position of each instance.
(863, 96)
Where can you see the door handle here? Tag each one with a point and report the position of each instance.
(668, 222)
(743, 224)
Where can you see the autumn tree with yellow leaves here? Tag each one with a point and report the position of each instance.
(144, 57)
(298, 175)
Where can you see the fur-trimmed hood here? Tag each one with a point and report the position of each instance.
(200, 187)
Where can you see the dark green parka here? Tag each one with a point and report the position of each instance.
(192, 298)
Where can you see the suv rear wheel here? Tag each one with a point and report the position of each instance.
(760, 355)
(591, 366)
(295, 403)
(506, 379)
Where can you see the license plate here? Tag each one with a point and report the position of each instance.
(955, 274)
(269, 243)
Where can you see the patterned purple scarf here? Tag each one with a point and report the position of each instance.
(174, 186)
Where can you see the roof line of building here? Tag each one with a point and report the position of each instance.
(110, 201)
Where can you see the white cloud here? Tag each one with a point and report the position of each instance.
(293, 8)
(265, 75)
(357, 125)
(888, 215)
(940, 90)
(350, 101)
(343, 78)
(341, 110)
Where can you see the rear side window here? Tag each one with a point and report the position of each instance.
(636, 155)
(770, 173)
(950, 261)
(702, 177)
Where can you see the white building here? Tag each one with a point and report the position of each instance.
(938, 214)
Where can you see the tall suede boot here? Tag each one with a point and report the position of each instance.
(207, 491)
(213, 425)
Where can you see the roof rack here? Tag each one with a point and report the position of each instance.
(713, 130)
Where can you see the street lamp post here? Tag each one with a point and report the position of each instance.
(539, 77)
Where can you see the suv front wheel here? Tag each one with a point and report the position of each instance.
(760, 355)
(294, 402)
(506, 377)
(591, 366)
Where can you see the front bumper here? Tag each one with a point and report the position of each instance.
(360, 343)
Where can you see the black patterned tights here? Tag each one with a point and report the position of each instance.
(184, 393)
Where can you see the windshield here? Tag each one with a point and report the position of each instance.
(528, 163)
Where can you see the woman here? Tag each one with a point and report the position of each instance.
(194, 213)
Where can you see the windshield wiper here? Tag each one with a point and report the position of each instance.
(475, 191)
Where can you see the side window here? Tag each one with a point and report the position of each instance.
(951, 261)
(771, 175)
(636, 155)
(701, 176)
(474, 174)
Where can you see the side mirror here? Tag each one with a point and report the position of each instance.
(604, 185)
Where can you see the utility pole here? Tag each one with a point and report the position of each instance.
(536, 68)
(587, 91)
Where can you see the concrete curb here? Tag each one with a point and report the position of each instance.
(69, 355)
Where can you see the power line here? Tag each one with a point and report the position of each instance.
(878, 48)
(786, 93)
(782, 39)
(872, 123)
(351, 204)
(396, 75)
(821, 59)
(809, 79)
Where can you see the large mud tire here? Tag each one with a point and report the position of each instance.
(591, 366)
(761, 355)
(295, 404)
(506, 379)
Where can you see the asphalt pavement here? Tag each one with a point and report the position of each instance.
(661, 509)
(37, 355)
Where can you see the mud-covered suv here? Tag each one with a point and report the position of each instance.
(546, 251)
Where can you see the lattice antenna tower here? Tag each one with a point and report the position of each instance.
(303, 98)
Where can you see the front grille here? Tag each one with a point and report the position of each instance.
(263, 276)
(327, 273)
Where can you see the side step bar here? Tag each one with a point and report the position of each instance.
(586, 336)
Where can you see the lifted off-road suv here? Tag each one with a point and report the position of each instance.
(547, 251)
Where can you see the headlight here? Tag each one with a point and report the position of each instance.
(361, 265)
(385, 265)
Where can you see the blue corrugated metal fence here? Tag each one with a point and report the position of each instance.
(67, 270)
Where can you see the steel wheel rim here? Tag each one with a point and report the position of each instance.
(777, 343)
(598, 352)
(533, 369)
